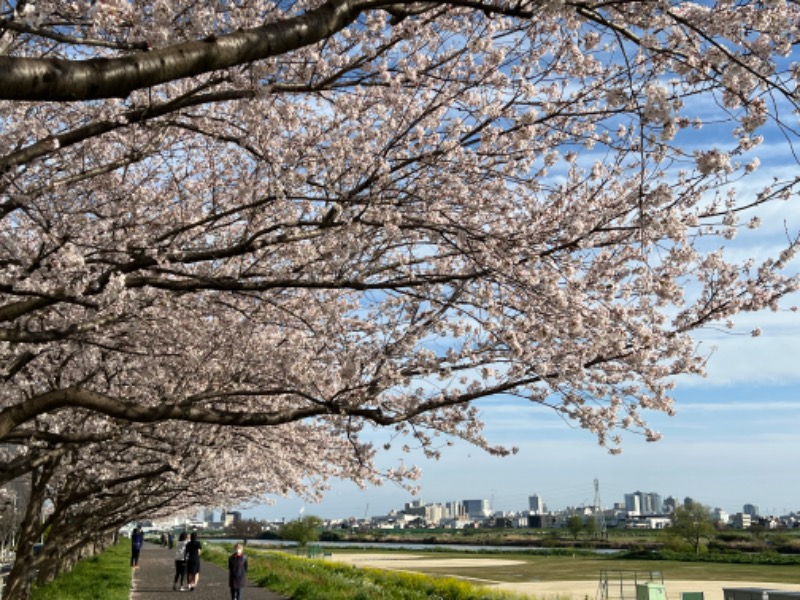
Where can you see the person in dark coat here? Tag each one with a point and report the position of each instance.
(237, 570)
(137, 539)
(193, 549)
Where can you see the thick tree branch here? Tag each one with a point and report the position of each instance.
(66, 80)
(76, 398)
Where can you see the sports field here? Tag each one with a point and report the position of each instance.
(521, 576)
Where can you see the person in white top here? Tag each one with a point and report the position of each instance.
(180, 562)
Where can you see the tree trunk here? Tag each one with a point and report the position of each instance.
(24, 569)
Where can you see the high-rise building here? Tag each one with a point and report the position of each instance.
(434, 513)
(750, 509)
(633, 503)
(642, 503)
(742, 521)
(455, 510)
(232, 517)
(536, 505)
(477, 509)
(652, 504)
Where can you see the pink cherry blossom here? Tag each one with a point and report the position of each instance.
(245, 247)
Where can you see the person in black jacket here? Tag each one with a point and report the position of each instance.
(137, 539)
(193, 549)
(237, 569)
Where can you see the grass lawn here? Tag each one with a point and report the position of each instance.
(106, 576)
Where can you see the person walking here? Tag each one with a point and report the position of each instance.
(137, 539)
(193, 549)
(180, 562)
(237, 569)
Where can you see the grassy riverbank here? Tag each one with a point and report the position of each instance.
(729, 540)
(303, 579)
(106, 576)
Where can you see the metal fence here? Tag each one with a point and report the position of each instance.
(621, 585)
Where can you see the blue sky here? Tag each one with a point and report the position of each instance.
(733, 441)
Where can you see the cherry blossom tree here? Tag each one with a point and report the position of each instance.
(261, 229)
(84, 494)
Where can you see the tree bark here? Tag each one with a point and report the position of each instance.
(61, 80)
(24, 569)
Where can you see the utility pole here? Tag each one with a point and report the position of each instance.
(601, 518)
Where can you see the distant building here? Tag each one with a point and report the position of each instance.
(771, 522)
(652, 504)
(617, 517)
(232, 517)
(720, 516)
(648, 522)
(434, 513)
(542, 521)
(642, 503)
(477, 509)
(633, 504)
(510, 521)
(752, 510)
(455, 510)
(414, 509)
(536, 505)
(742, 521)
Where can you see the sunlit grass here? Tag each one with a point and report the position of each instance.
(106, 576)
(306, 579)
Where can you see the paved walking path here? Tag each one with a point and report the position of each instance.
(153, 580)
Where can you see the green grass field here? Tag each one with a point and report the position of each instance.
(106, 576)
